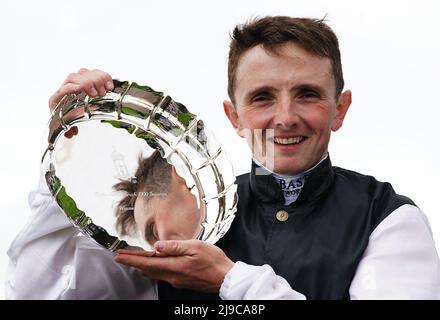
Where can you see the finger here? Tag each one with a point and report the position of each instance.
(161, 254)
(61, 92)
(109, 85)
(154, 267)
(83, 71)
(95, 80)
(89, 82)
(94, 84)
(175, 247)
(139, 262)
(105, 81)
(73, 78)
(91, 92)
(90, 89)
(100, 87)
(142, 253)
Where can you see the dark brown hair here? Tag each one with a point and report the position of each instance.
(314, 35)
(153, 176)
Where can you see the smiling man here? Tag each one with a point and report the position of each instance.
(304, 229)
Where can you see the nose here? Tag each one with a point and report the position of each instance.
(286, 114)
(162, 230)
(167, 230)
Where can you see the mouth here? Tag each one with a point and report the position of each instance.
(285, 141)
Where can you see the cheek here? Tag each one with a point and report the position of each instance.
(139, 218)
(146, 210)
(255, 118)
(187, 213)
(318, 118)
(188, 208)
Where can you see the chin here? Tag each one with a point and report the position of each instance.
(289, 167)
(288, 171)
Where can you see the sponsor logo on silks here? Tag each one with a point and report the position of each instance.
(292, 193)
(292, 184)
(291, 188)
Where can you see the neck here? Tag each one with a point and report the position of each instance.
(296, 175)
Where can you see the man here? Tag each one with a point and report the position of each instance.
(304, 229)
(342, 236)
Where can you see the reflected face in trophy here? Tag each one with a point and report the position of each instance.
(157, 203)
(173, 215)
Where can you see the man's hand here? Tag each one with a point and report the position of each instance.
(92, 82)
(191, 264)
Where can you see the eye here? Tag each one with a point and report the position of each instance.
(150, 233)
(263, 97)
(260, 98)
(308, 94)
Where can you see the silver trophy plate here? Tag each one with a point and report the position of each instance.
(139, 167)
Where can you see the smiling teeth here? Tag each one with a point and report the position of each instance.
(292, 140)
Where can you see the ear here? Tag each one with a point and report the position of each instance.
(174, 174)
(176, 179)
(342, 106)
(232, 115)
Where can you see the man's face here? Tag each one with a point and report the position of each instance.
(172, 216)
(290, 95)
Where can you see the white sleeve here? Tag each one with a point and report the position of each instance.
(50, 260)
(247, 282)
(400, 261)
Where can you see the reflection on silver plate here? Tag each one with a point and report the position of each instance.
(101, 175)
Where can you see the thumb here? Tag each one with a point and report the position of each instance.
(173, 247)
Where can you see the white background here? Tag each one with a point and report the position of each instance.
(390, 54)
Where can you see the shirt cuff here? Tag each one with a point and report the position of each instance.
(248, 282)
